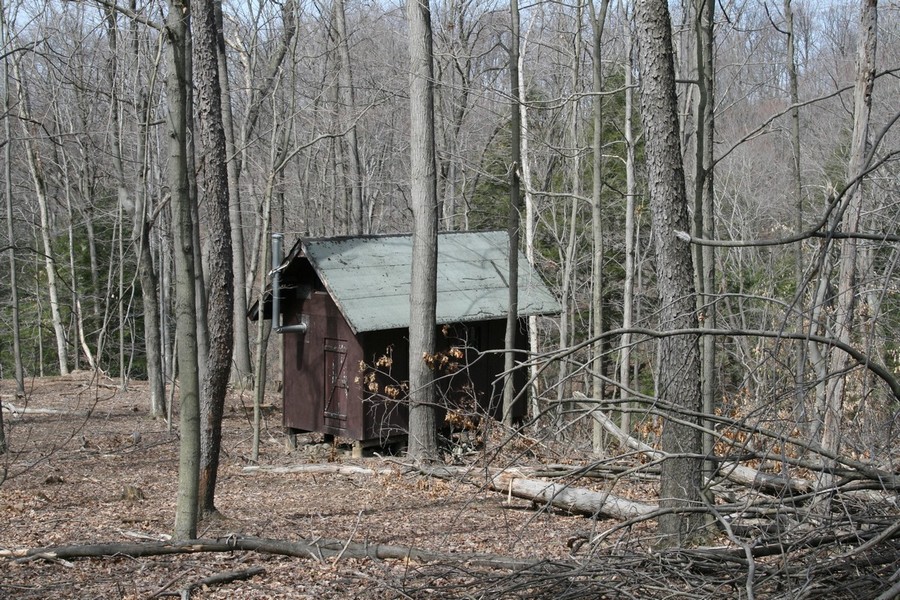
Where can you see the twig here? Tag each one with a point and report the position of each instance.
(217, 579)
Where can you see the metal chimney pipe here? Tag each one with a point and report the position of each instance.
(277, 327)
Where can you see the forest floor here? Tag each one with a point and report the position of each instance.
(87, 465)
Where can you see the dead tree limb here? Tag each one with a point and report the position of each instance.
(321, 469)
(217, 579)
(315, 549)
(730, 470)
(575, 500)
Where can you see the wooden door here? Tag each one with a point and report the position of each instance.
(337, 385)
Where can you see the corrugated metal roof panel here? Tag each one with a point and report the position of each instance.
(368, 277)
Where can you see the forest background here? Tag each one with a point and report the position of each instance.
(786, 114)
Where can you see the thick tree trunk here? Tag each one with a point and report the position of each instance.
(177, 88)
(423, 191)
(679, 366)
(220, 277)
(847, 291)
(347, 97)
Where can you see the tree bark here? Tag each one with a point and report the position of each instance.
(19, 372)
(220, 276)
(512, 226)
(630, 233)
(177, 88)
(847, 262)
(598, 21)
(679, 367)
(704, 204)
(347, 96)
(423, 192)
(242, 369)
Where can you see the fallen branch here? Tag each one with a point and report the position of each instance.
(514, 482)
(575, 500)
(18, 411)
(730, 470)
(321, 469)
(316, 549)
(216, 579)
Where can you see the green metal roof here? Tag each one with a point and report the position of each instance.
(368, 277)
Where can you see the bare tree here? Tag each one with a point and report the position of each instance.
(679, 356)
(423, 194)
(177, 30)
(220, 281)
(851, 214)
(512, 227)
(19, 372)
(38, 178)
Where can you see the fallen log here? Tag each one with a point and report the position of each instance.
(321, 469)
(514, 482)
(319, 549)
(18, 411)
(730, 470)
(572, 499)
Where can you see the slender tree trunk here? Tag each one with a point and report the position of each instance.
(37, 177)
(704, 206)
(140, 237)
(573, 166)
(7, 193)
(630, 233)
(512, 227)
(242, 369)
(679, 356)
(598, 21)
(220, 274)
(423, 191)
(177, 88)
(525, 168)
(847, 262)
(797, 192)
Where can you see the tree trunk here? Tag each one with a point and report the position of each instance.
(140, 236)
(512, 226)
(704, 205)
(679, 367)
(40, 189)
(598, 20)
(525, 168)
(347, 97)
(220, 275)
(847, 291)
(10, 230)
(796, 190)
(630, 235)
(242, 369)
(177, 89)
(423, 192)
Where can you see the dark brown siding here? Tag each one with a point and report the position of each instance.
(320, 370)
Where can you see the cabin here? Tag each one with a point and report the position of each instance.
(342, 307)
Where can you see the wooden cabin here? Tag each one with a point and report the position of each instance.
(345, 374)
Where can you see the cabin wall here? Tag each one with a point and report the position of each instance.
(321, 387)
